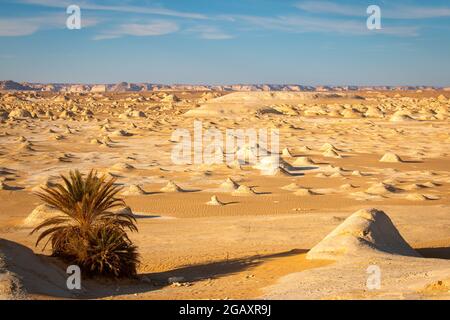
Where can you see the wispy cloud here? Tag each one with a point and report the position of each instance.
(210, 32)
(389, 11)
(411, 12)
(25, 26)
(320, 16)
(87, 5)
(327, 7)
(19, 27)
(302, 24)
(154, 28)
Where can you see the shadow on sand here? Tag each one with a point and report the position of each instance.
(436, 253)
(46, 277)
(146, 282)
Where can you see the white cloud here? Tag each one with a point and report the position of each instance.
(216, 36)
(155, 28)
(302, 24)
(210, 32)
(25, 26)
(87, 5)
(18, 27)
(389, 11)
(330, 7)
(411, 12)
(344, 23)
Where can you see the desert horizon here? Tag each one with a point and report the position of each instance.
(125, 86)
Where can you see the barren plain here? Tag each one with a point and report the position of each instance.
(227, 231)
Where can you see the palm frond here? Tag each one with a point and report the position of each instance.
(87, 232)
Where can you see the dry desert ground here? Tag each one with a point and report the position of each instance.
(227, 230)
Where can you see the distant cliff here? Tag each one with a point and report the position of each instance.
(9, 85)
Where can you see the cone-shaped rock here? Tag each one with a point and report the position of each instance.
(364, 233)
(390, 157)
(133, 190)
(229, 185)
(215, 202)
(171, 187)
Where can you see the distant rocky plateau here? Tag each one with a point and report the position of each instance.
(8, 85)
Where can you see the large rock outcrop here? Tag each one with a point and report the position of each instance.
(364, 233)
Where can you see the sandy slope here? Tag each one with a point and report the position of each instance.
(366, 241)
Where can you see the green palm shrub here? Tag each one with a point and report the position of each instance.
(87, 232)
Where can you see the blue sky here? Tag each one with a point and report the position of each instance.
(308, 42)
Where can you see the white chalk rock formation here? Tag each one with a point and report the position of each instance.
(43, 212)
(22, 272)
(270, 165)
(390, 157)
(243, 191)
(229, 185)
(286, 153)
(133, 190)
(39, 215)
(171, 187)
(331, 153)
(303, 161)
(364, 233)
(215, 202)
